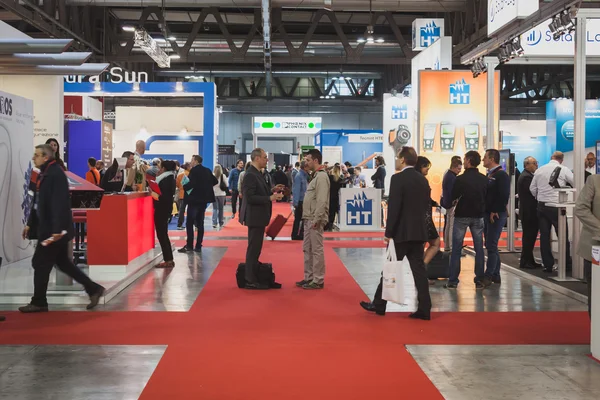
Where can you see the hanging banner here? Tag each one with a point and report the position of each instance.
(540, 42)
(398, 123)
(503, 12)
(286, 125)
(452, 118)
(425, 31)
(16, 149)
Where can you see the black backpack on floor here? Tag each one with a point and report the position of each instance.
(266, 276)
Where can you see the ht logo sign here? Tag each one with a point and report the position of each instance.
(429, 34)
(359, 211)
(460, 92)
(400, 112)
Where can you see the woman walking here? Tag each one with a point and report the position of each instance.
(163, 207)
(220, 190)
(423, 166)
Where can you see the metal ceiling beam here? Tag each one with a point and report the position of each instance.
(546, 11)
(266, 25)
(44, 22)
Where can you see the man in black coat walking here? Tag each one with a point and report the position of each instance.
(528, 213)
(51, 222)
(409, 201)
(201, 182)
(256, 213)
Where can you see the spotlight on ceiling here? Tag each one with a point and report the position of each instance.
(128, 28)
(380, 40)
(172, 38)
(361, 40)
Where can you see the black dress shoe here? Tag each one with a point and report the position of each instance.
(184, 249)
(372, 308)
(2, 318)
(95, 298)
(420, 315)
(30, 308)
(198, 250)
(538, 265)
(256, 286)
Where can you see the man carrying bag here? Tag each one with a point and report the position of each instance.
(406, 230)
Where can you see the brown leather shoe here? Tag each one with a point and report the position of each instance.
(95, 298)
(30, 308)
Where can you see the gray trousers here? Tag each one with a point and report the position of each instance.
(314, 255)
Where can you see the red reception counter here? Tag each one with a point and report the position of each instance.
(121, 230)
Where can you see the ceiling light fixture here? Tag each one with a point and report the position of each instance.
(128, 28)
(174, 56)
(380, 40)
(179, 86)
(136, 86)
(172, 38)
(361, 40)
(97, 86)
(151, 47)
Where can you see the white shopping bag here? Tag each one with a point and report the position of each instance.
(394, 273)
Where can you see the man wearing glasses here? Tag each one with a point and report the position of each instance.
(528, 213)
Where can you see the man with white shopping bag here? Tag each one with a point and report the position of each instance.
(406, 230)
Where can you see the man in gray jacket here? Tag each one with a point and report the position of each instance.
(315, 215)
(587, 210)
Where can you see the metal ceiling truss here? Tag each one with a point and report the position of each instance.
(469, 27)
(537, 82)
(350, 54)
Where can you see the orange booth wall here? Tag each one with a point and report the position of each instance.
(121, 230)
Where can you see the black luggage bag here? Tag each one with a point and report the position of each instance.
(266, 276)
(439, 266)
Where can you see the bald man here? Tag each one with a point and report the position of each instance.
(528, 213)
(140, 147)
(590, 165)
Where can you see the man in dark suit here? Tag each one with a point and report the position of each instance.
(408, 203)
(201, 182)
(378, 177)
(528, 213)
(51, 222)
(256, 213)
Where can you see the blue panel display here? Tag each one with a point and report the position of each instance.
(84, 140)
(355, 152)
(522, 147)
(560, 120)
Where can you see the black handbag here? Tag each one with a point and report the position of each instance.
(223, 186)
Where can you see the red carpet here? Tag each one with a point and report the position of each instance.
(290, 343)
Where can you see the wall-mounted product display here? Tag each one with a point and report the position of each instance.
(398, 123)
(425, 31)
(525, 146)
(560, 124)
(452, 118)
(503, 12)
(16, 148)
(286, 125)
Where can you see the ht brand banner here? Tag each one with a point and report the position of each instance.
(561, 125)
(452, 118)
(16, 150)
(360, 209)
(425, 31)
(398, 128)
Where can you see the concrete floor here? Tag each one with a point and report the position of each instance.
(510, 372)
(459, 372)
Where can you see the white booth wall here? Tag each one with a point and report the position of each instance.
(141, 123)
(234, 127)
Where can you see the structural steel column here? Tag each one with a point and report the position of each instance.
(490, 126)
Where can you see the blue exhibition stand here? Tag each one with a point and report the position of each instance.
(207, 90)
(352, 152)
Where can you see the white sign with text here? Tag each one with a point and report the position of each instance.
(503, 12)
(539, 41)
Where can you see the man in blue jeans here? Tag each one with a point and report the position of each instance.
(468, 195)
(496, 200)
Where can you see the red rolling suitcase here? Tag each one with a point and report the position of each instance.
(275, 226)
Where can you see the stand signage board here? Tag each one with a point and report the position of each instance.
(286, 125)
(425, 31)
(539, 41)
(360, 209)
(503, 12)
(16, 148)
(452, 119)
(560, 124)
(398, 130)
(226, 149)
(107, 143)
